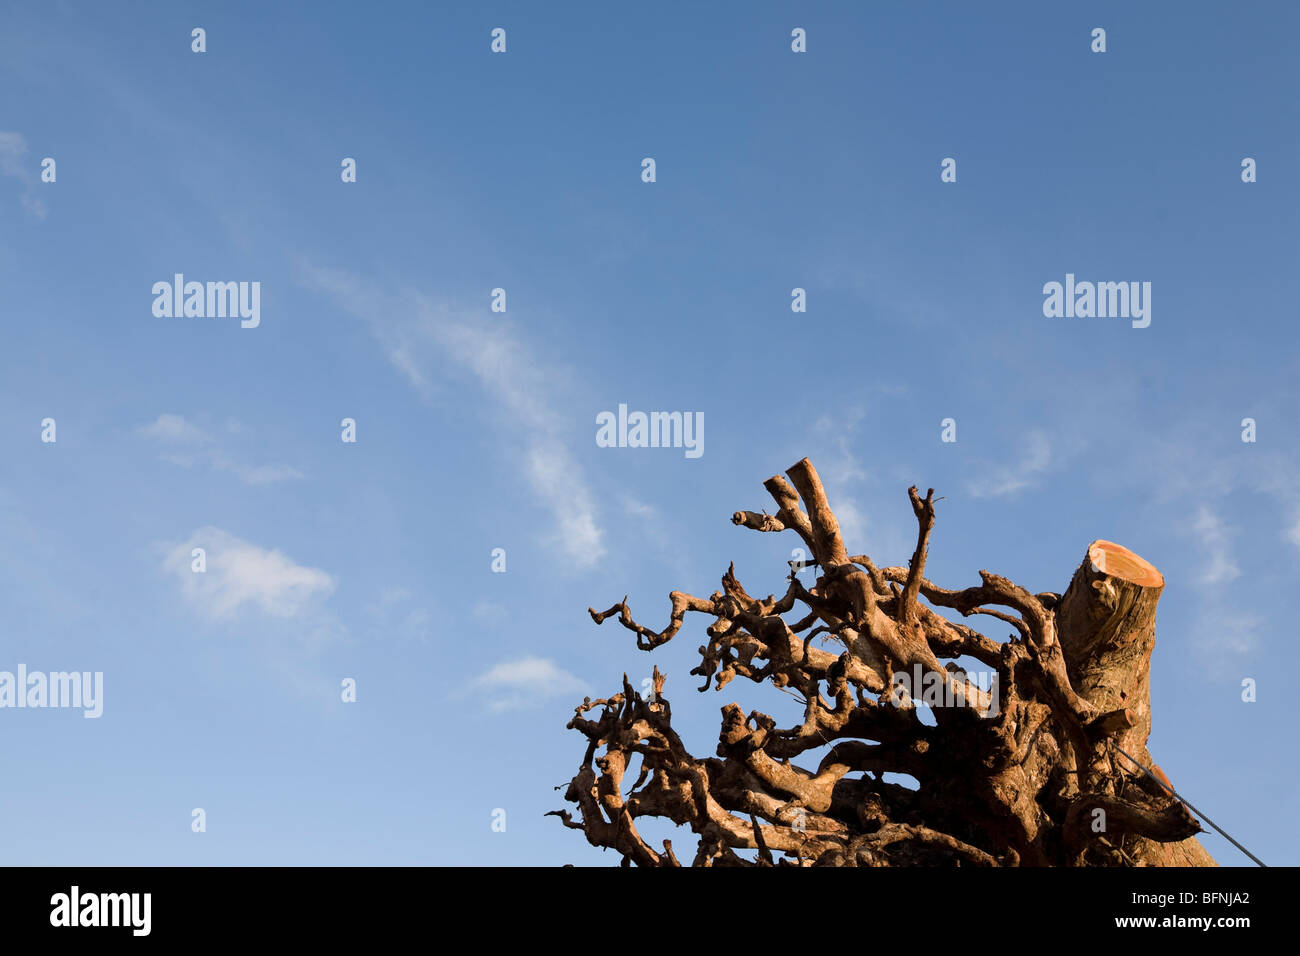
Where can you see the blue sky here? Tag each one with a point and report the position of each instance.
(476, 429)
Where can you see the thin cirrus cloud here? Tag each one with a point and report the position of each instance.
(240, 575)
(13, 163)
(1219, 565)
(526, 682)
(187, 445)
(394, 616)
(416, 335)
(1004, 480)
(1224, 634)
(175, 429)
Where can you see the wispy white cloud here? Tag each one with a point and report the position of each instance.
(1003, 480)
(1218, 564)
(419, 337)
(556, 479)
(1184, 465)
(393, 595)
(241, 574)
(394, 615)
(12, 149)
(13, 163)
(649, 521)
(1224, 635)
(255, 474)
(35, 208)
(654, 526)
(1226, 638)
(174, 429)
(188, 445)
(527, 682)
(491, 614)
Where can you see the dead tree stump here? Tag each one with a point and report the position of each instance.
(1022, 769)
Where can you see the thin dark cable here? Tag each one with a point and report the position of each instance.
(1165, 786)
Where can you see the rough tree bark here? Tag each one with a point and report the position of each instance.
(1023, 769)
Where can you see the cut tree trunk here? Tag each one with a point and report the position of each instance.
(1106, 622)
